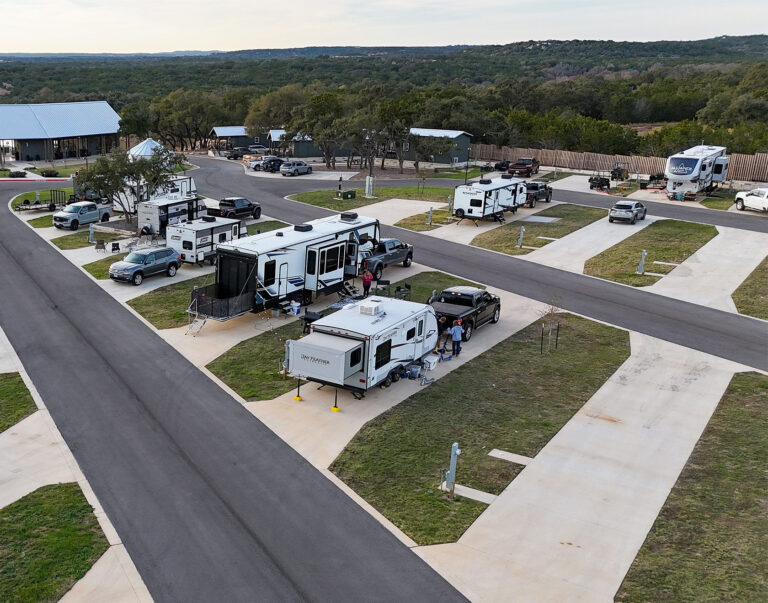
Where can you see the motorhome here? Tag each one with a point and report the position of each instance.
(489, 198)
(157, 214)
(364, 344)
(197, 240)
(696, 169)
(293, 263)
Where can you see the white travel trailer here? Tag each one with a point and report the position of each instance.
(157, 214)
(262, 271)
(197, 240)
(365, 344)
(180, 188)
(696, 169)
(489, 198)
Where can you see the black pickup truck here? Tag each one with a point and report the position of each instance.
(387, 253)
(236, 207)
(537, 191)
(474, 307)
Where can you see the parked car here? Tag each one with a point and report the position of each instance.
(473, 306)
(628, 211)
(501, 166)
(258, 164)
(754, 199)
(236, 207)
(387, 253)
(146, 262)
(81, 212)
(272, 165)
(537, 191)
(257, 149)
(236, 153)
(294, 168)
(524, 165)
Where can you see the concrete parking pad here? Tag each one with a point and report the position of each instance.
(578, 183)
(715, 271)
(393, 210)
(570, 252)
(571, 523)
(112, 578)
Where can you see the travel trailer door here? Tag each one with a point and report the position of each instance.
(350, 259)
(310, 273)
(330, 266)
(720, 169)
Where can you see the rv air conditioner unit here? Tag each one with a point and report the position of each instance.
(507, 176)
(209, 218)
(370, 308)
(485, 181)
(348, 216)
(302, 227)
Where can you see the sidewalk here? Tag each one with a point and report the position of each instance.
(570, 525)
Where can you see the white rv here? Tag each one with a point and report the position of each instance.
(179, 188)
(157, 214)
(196, 240)
(696, 169)
(489, 198)
(364, 344)
(293, 263)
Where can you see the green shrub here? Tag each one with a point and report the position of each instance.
(49, 173)
(17, 175)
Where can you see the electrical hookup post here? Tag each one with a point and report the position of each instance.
(370, 185)
(449, 477)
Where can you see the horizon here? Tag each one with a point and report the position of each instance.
(144, 27)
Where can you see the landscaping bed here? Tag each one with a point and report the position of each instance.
(62, 171)
(709, 541)
(166, 307)
(418, 223)
(572, 218)
(719, 199)
(665, 241)
(751, 297)
(552, 177)
(16, 402)
(327, 198)
(623, 189)
(49, 539)
(100, 268)
(261, 380)
(79, 239)
(459, 174)
(394, 461)
(41, 222)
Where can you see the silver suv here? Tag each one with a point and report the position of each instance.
(145, 262)
(294, 168)
(629, 211)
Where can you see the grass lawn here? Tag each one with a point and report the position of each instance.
(49, 539)
(166, 307)
(665, 241)
(709, 541)
(572, 217)
(719, 199)
(42, 221)
(751, 297)
(5, 173)
(394, 461)
(79, 239)
(100, 268)
(458, 174)
(440, 217)
(265, 226)
(182, 168)
(65, 171)
(45, 196)
(551, 177)
(15, 401)
(327, 198)
(261, 380)
(624, 189)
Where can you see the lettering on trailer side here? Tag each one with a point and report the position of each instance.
(314, 359)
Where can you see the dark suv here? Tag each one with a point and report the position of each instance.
(145, 262)
(236, 207)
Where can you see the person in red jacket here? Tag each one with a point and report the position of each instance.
(367, 279)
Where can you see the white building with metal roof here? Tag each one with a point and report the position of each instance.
(45, 132)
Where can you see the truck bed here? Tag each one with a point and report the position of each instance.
(452, 310)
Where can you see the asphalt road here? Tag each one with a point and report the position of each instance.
(739, 338)
(210, 504)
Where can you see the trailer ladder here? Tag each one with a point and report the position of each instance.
(195, 322)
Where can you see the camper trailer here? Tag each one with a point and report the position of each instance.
(196, 240)
(262, 271)
(179, 188)
(157, 214)
(489, 198)
(365, 344)
(697, 169)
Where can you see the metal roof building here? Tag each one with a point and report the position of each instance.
(59, 130)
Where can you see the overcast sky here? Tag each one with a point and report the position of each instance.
(165, 25)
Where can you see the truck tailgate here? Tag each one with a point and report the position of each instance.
(451, 310)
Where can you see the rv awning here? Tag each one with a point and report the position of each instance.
(330, 342)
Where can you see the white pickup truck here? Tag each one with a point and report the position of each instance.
(754, 199)
(82, 212)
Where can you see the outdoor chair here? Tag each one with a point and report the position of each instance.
(115, 247)
(403, 292)
(101, 245)
(382, 287)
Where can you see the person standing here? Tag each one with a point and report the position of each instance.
(442, 323)
(456, 333)
(367, 279)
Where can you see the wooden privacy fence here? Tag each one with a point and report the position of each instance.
(742, 167)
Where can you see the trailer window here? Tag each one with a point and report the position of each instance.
(311, 261)
(222, 237)
(269, 273)
(475, 202)
(332, 259)
(355, 357)
(186, 245)
(421, 327)
(718, 168)
(383, 353)
(410, 334)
